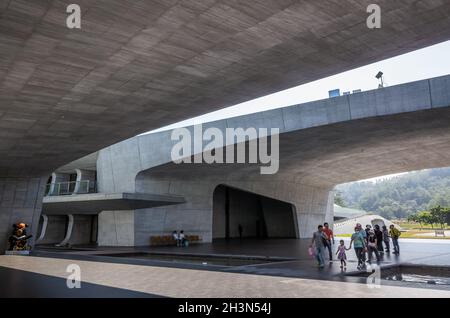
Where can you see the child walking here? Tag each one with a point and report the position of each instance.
(341, 255)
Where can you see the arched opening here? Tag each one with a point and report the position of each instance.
(378, 222)
(242, 214)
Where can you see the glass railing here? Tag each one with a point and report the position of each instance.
(71, 187)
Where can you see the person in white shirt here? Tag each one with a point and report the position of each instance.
(176, 237)
(182, 238)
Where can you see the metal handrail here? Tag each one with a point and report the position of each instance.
(71, 187)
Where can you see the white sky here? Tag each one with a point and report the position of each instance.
(426, 63)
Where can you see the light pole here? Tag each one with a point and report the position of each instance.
(380, 77)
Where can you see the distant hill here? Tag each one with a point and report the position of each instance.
(400, 196)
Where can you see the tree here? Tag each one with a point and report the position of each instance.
(425, 217)
(338, 199)
(439, 215)
(414, 218)
(400, 196)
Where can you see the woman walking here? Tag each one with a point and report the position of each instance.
(359, 243)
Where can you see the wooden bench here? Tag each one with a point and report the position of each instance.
(439, 232)
(167, 240)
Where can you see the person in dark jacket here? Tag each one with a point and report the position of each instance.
(386, 239)
(379, 236)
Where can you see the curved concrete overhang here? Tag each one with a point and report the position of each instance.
(138, 65)
(97, 202)
(324, 143)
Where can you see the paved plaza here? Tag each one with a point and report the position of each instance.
(284, 270)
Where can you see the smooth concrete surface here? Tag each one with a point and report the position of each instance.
(46, 286)
(322, 143)
(139, 65)
(20, 201)
(116, 228)
(82, 230)
(310, 128)
(256, 215)
(56, 229)
(94, 203)
(196, 215)
(187, 283)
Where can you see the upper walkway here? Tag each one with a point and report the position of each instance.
(326, 142)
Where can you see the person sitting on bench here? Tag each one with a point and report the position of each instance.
(176, 237)
(184, 241)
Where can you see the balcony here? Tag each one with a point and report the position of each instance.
(71, 187)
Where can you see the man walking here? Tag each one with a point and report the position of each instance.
(395, 234)
(330, 239)
(318, 241)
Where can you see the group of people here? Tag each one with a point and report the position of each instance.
(180, 238)
(368, 241)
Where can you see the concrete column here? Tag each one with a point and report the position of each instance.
(83, 175)
(43, 229)
(329, 216)
(20, 201)
(66, 239)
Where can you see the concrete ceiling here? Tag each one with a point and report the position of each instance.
(137, 65)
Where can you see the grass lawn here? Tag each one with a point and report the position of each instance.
(343, 235)
(413, 230)
(419, 234)
(416, 226)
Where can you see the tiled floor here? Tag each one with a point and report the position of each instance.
(24, 284)
(175, 282)
(296, 276)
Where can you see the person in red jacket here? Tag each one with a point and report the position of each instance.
(330, 239)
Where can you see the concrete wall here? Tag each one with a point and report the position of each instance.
(196, 216)
(20, 201)
(116, 228)
(280, 218)
(81, 232)
(317, 151)
(246, 209)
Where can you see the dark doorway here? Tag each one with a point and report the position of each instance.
(239, 213)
